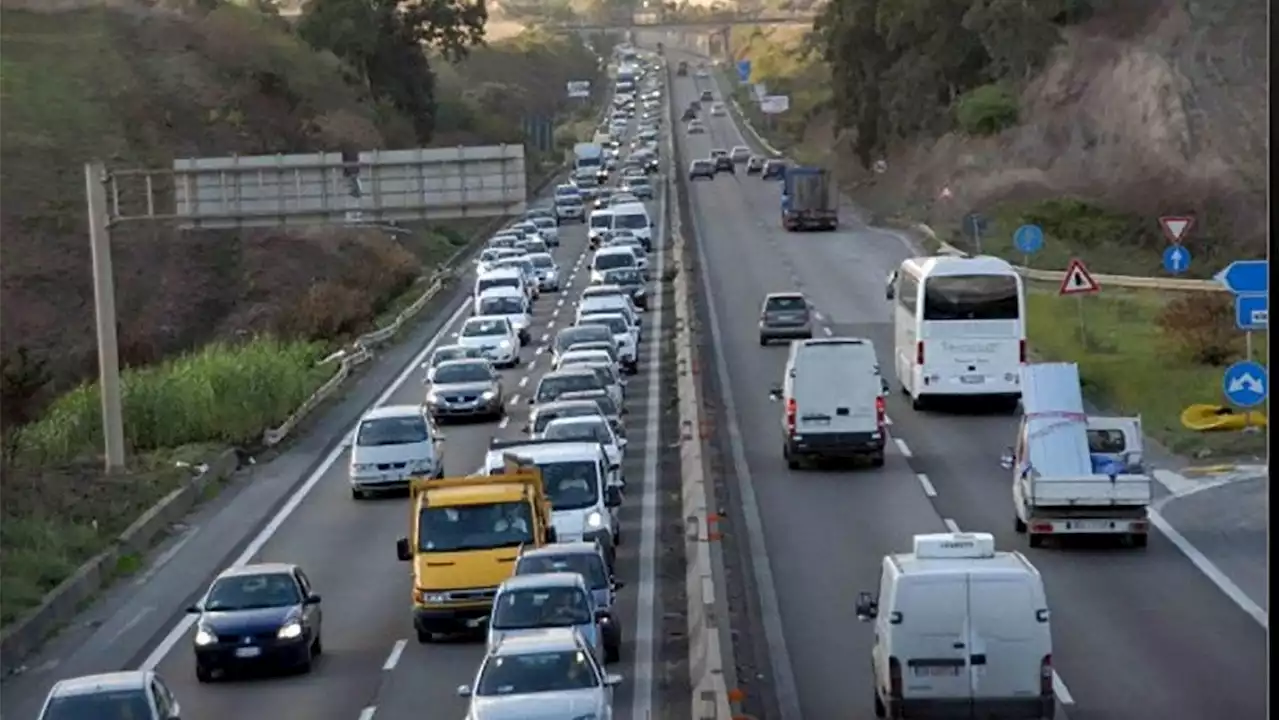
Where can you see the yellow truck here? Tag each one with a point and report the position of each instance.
(465, 535)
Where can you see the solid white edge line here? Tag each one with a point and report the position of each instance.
(300, 494)
(1060, 690)
(396, 651)
(951, 525)
(902, 447)
(929, 489)
(1211, 571)
(367, 713)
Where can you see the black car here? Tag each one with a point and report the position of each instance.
(257, 616)
(689, 114)
(632, 282)
(773, 169)
(707, 96)
(702, 168)
(722, 162)
(755, 165)
(695, 106)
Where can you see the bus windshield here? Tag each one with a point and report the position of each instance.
(971, 297)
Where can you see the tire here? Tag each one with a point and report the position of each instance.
(1035, 541)
(304, 667)
(358, 494)
(613, 651)
(317, 647)
(204, 674)
(1019, 526)
(918, 403)
(763, 341)
(877, 459)
(879, 704)
(1138, 540)
(424, 637)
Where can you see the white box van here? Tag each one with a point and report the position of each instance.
(598, 223)
(834, 405)
(635, 218)
(962, 631)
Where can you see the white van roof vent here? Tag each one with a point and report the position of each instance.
(954, 546)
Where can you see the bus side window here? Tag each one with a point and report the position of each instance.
(908, 288)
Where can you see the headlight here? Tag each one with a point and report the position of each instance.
(488, 395)
(290, 631)
(505, 344)
(432, 398)
(361, 467)
(204, 637)
(594, 520)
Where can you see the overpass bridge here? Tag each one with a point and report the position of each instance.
(693, 25)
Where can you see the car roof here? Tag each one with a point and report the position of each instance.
(101, 682)
(566, 372)
(503, 291)
(542, 580)
(538, 640)
(500, 271)
(391, 411)
(572, 352)
(551, 452)
(579, 420)
(565, 405)
(613, 250)
(600, 316)
(463, 361)
(604, 289)
(577, 547)
(788, 295)
(486, 318)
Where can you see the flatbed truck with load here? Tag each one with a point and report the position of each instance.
(1074, 473)
(808, 199)
(465, 535)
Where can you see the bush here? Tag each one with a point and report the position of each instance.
(223, 393)
(1202, 327)
(987, 110)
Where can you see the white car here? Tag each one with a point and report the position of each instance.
(549, 230)
(486, 259)
(611, 258)
(548, 271)
(509, 303)
(390, 446)
(635, 244)
(626, 337)
(495, 337)
(574, 356)
(549, 673)
(528, 276)
(611, 303)
(139, 694)
(587, 427)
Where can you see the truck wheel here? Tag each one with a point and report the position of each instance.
(1035, 540)
(1019, 526)
(763, 341)
(1139, 540)
(918, 403)
(879, 704)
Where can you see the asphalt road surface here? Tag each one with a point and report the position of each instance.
(372, 667)
(1137, 634)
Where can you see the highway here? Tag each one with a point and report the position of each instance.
(372, 667)
(1137, 634)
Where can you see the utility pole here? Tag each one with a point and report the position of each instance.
(104, 298)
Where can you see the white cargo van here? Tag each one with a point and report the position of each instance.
(962, 631)
(834, 405)
(634, 218)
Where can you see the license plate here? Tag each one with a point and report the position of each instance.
(1088, 525)
(935, 671)
(248, 652)
(972, 379)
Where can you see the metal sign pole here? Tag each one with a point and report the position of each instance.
(1248, 355)
(104, 299)
(1084, 334)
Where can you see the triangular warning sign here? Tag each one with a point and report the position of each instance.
(1077, 280)
(1175, 227)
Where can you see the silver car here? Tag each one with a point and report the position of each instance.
(533, 602)
(549, 673)
(137, 694)
(785, 316)
(548, 271)
(445, 353)
(465, 389)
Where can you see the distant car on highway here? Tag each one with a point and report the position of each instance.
(773, 170)
(696, 127)
(702, 169)
(740, 153)
(264, 615)
(466, 389)
(717, 110)
(755, 165)
(391, 445)
(721, 160)
(550, 673)
(134, 694)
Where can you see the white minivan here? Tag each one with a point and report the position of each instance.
(598, 223)
(962, 631)
(634, 218)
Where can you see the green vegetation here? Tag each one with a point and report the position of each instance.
(1143, 352)
(987, 109)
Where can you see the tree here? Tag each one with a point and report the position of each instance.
(386, 42)
(22, 378)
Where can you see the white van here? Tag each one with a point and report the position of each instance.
(500, 277)
(834, 405)
(962, 631)
(635, 218)
(599, 222)
(959, 328)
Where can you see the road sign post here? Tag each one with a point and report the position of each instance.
(1247, 280)
(744, 71)
(1077, 281)
(1176, 227)
(973, 226)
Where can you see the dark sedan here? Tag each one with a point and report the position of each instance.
(722, 161)
(632, 282)
(257, 616)
(702, 168)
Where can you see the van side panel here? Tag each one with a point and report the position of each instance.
(933, 611)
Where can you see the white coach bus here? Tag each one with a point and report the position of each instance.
(959, 328)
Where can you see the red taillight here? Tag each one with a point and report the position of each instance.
(880, 411)
(895, 678)
(1022, 351)
(791, 416)
(920, 352)
(1046, 676)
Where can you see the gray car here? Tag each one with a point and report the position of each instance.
(785, 316)
(632, 282)
(465, 389)
(586, 559)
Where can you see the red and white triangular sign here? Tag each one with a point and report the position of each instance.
(1176, 227)
(1077, 280)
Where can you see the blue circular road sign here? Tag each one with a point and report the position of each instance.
(1177, 258)
(1028, 239)
(1245, 384)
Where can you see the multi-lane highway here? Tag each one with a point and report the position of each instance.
(372, 666)
(1137, 634)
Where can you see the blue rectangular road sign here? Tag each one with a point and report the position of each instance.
(1245, 277)
(1251, 312)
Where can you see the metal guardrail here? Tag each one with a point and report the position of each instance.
(1134, 282)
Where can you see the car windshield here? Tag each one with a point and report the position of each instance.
(609, 260)
(569, 201)
(545, 417)
(571, 485)
(790, 303)
(589, 565)
(252, 592)
(574, 335)
(452, 352)
(566, 191)
(129, 704)
(719, 153)
(631, 221)
(971, 297)
(702, 165)
(501, 306)
(555, 385)
(529, 673)
(587, 179)
(623, 277)
(375, 432)
(470, 527)
(616, 324)
(588, 429)
(463, 372)
(479, 327)
(638, 182)
(602, 220)
(541, 260)
(529, 608)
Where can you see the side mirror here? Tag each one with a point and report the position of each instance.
(613, 497)
(888, 292)
(1006, 460)
(525, 428)
(775, 393)
(402, 550)
(313, 599)
(194, 609)
(617, 584)
(464, 691)
(612, 680)
(441, 437)
(866, 607)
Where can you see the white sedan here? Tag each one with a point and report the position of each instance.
(493, 335)
(588, 427)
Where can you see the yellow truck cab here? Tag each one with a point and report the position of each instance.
(466, 533)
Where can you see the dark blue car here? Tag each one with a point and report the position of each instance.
(263, 616)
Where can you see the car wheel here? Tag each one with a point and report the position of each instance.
(424, 637)
(613, 651)
(204, 673)
(358, 494)
(877, 459)
(317, 647)
(304, 665)
(763, 341)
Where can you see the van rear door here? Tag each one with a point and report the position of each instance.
(1008, 639)
(835, 387)
(930, 642)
